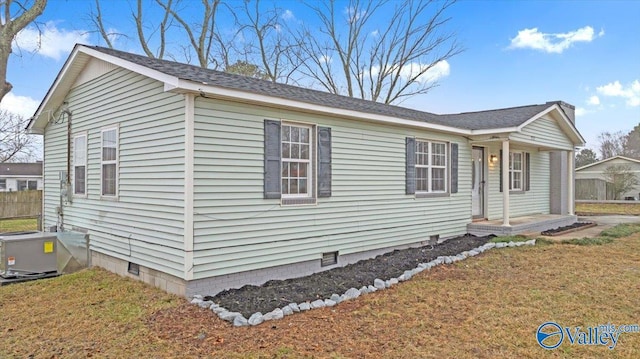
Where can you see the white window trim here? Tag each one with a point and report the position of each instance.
(4, 187)
(512, 187)
(117, 161)
(310, 171)
(75, 164)
(431, 166)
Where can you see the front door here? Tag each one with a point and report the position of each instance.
(477, 180)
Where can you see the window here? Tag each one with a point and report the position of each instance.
(297, 169)
(3, 184)
(516, 172)
(431, 167)
(297, 162)
(109, 162)
(80, 164)
(24, 185)
(519, 171)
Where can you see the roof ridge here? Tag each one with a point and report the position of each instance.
(495, 109)
(249, 78)
(509, 117)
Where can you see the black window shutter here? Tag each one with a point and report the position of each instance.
(411, 165)
(454, 168)
(500, 170)
(324, 162)
(272, 167)
(527, 171)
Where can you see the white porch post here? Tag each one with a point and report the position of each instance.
(505, 183)
(570, 182)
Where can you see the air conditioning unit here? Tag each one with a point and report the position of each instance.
(28, 253)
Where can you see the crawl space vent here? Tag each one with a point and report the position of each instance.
(329, 258)
(134, 268)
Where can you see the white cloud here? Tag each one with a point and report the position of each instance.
(601, 33)
(21, 105)
(353, 14)
(325, 59)
(581, 111)
(433, 74)
(375, 33)
(113, 35)
(552, 43)
(615, 89)
(49, 41)
(594, 100)
(288, 15)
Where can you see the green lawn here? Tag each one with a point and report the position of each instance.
(15, 225)
(488, 306)
(632, 208)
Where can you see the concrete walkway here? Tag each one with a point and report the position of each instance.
(603, 222)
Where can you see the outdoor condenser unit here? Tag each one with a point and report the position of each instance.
(26, 253)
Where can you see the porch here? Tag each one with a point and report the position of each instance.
(519, 225)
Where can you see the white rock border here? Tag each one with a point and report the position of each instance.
(257, 318)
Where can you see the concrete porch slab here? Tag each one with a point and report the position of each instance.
(520, 225)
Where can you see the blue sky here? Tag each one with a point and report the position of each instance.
(586, 53)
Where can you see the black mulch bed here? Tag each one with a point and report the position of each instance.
(278, 293)
(551, 232)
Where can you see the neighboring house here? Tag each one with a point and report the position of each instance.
(20, 176)
(592, 178)
(200, 180)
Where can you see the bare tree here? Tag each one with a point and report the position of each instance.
(622, 178)
(16, 15)
(268, 42)
(205, 42)
(611, 144)
(15, 144)
(350, 54)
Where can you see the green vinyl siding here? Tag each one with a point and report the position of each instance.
(145, 224)
(236, 229)
(521, 203)
(544, 132)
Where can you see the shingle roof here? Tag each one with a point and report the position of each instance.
(501, 118)
(20, 169)
(506, 117)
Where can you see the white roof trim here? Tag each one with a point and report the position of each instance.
(607, 160)
(221, 92)
(143, 70)
(82, 49)
(566, 120)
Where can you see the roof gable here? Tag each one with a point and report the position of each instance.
(610, 159)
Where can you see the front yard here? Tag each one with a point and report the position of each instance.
(488, 306)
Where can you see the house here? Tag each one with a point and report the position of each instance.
(196, 180)
(20, 176)
(591, 179)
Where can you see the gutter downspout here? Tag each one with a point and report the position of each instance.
(66, 111)
(67, 186)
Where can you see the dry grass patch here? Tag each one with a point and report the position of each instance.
(632, 208)
(89, 313)
(488, 306)
(16, 225)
